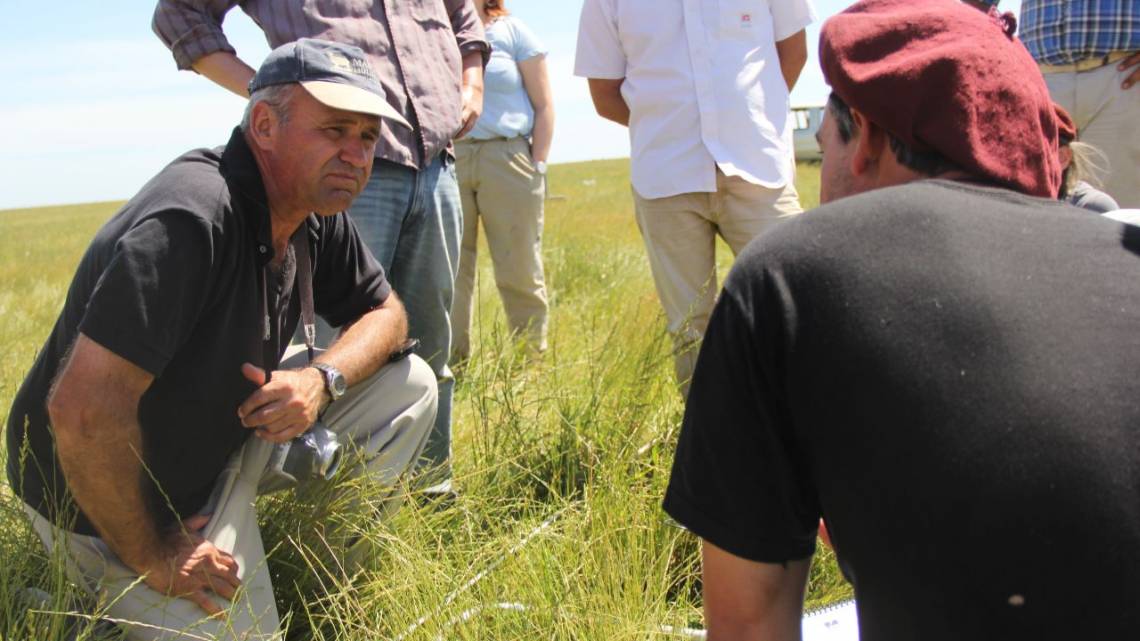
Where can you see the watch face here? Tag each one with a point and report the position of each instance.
(337, 384)
(334, 380)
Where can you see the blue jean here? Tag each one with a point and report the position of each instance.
(412, 221)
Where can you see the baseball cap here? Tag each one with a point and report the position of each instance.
(337, 75)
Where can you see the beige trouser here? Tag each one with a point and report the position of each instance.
(387, 417)
(1107, 117)
(499, 185)
(680, 238)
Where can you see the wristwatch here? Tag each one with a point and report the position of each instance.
(335, 384)
(540, 167)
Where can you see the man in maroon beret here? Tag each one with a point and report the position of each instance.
(940, 361)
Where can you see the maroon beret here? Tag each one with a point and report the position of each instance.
(942, 76)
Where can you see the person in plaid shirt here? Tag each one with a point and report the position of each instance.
(1089, 53)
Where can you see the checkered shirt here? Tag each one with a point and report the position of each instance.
(1060, 32)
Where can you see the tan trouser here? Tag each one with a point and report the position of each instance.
(387, 417)
(680, 238)
(1106, 116)
(499, 185)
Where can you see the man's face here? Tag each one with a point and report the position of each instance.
(835, 177)
(323, 156)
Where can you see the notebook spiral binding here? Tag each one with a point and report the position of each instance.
(830, 607)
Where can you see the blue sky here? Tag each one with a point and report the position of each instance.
(93, 105)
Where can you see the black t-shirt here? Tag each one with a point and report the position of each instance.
(172, 283)
(950, 374)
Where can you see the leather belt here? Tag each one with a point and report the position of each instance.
(1088, 64)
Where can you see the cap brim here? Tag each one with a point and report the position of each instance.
(341, 96)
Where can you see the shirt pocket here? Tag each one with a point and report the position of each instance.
(747, 20)
(428, 12)
(340, 8)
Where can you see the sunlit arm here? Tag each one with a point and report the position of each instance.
(365, 344)
(93, 408)
(472, 91)
(750, 601)
(537, 85)
(793, 55)
(608, 101)
(227, 70)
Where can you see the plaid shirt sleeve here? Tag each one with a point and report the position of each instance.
(468, 28)
(192, 29)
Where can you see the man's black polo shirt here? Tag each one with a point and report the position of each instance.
(172, 283)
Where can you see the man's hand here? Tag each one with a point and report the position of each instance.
(194, 569)
(284, 407)
(1134, 77)
(472, 108)
(472, 92)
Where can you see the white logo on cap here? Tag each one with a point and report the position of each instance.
(340, 62)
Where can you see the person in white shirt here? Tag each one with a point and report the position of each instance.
(703, 86)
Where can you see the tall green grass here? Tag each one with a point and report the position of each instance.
(561, 460)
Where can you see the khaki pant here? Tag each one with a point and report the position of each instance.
(387, 417)
(498, 184)
(1106, 117)
(680, 237)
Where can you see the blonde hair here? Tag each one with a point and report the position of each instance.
(1088, 164)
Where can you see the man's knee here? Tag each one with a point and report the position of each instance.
(421, 380)
(413, 386)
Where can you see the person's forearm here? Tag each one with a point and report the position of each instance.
(365, 345)
(608, 101)
(227, 70)
(472, 92)
(615, 109)
(793, 55)
(100, 452)
(751, 601)
(542, 134)
(473, 71)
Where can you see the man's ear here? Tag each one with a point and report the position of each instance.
(263, 125)
(870, 143)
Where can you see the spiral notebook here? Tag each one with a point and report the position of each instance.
(836, 622)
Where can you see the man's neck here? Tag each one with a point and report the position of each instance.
(284, 216)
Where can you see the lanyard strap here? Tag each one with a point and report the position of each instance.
(304, 283)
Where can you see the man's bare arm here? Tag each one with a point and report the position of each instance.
(472, 83)
(94, 414)
(227, 70)
(292, 400)
(608, 101)
(537, 84)
(793, 55)
(750, 601)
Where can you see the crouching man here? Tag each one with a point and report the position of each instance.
(145, 429)
(941, 361)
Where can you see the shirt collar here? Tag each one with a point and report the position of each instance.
(242, 174)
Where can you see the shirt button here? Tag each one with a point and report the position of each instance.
(262, 249)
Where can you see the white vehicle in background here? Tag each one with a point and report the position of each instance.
(805, 122)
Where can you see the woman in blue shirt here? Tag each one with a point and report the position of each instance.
(501, 166)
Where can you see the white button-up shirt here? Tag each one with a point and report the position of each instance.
(703, 85)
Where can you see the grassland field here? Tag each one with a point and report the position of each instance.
(561, 461)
